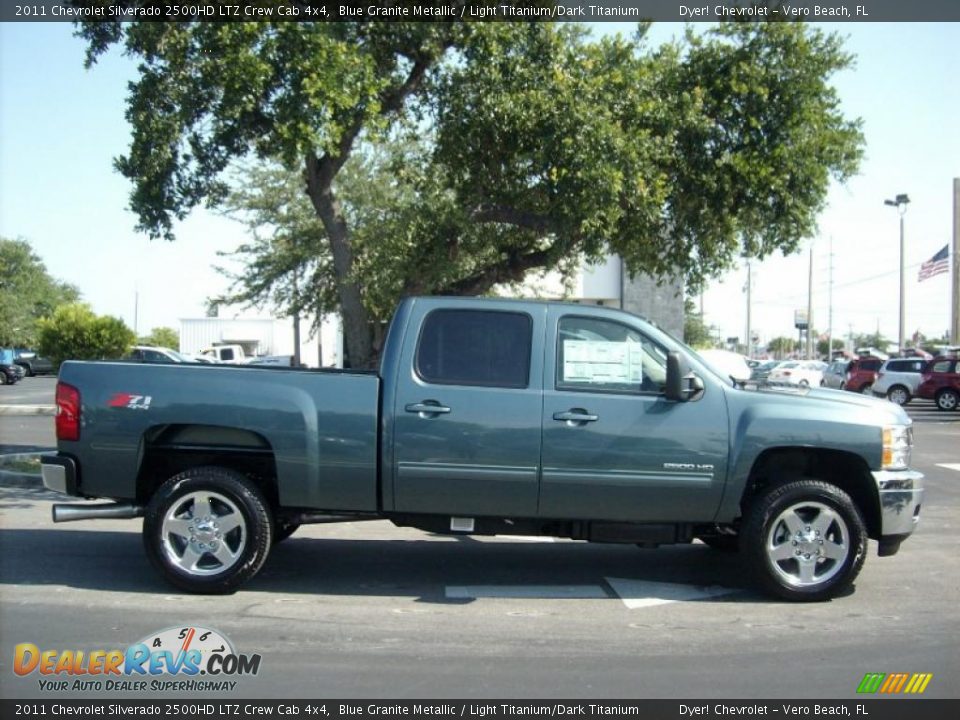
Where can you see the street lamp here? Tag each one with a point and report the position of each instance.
(900, 202)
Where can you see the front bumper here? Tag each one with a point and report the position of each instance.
(901, 493)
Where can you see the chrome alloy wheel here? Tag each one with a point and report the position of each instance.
(898, 395)
(808, 544)
(204, 533)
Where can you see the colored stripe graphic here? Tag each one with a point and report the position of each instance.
(894, 683)
(871, 682)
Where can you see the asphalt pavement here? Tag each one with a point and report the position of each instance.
(368, 610)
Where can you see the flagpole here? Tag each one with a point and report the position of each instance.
(955, 263)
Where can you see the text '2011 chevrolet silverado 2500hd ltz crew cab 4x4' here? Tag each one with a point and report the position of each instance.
(489, 416)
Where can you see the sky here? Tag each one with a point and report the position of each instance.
(61, 126)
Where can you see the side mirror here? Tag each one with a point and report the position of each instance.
(682, 384)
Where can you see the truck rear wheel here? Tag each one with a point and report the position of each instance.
(805, 541)
(208, 530)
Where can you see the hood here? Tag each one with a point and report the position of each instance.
(834, 402)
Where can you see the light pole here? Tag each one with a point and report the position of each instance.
(900, 202)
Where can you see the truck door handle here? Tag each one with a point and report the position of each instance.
(430, 407)
(576, 415)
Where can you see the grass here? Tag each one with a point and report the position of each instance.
(29, 465)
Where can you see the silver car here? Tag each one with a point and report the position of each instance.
(835, 376)
(898, 379)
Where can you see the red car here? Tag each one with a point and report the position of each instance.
(941, 382)
(862, 374)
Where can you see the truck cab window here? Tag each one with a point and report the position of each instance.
(475, 347)
(600, 355)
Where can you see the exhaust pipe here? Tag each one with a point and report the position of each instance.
(118, 511)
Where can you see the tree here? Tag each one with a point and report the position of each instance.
(162, 337)
(75, 332)
(872, 340)
(824, 351)
(696, 334)
(782, 346)
(27, 293)
(542, 146)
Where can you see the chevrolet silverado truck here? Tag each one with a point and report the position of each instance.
(489, 416)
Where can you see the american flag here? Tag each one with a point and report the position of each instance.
(939, 263)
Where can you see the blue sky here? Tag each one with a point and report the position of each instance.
(61, 125)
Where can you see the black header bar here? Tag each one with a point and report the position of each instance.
(482, 10)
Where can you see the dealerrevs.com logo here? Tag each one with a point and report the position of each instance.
(182, 659)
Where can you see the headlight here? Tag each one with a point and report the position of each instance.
(897, 447)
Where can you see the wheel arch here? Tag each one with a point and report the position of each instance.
(845, 470)
(166, 450)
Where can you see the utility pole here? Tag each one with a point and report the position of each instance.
(900, 203)
(955, 262)
(810, 308)
(748, 288)
(830, 307)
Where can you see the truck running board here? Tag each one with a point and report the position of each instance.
(117, 511)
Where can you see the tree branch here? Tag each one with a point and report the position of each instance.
(513, 216)
(512, 269)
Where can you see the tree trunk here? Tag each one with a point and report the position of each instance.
(357, 333)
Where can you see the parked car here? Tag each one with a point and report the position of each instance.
(803, 373)
(727, 364)
(898, 379)
(761, 373)
(32, 363)
(862, 373)
(941, 383)
(835, 376)
(151, 354)
(10, 372)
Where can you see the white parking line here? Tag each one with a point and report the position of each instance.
(646, 593)
(950, 466)
(540, 592)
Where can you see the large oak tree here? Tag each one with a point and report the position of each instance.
(541, 144)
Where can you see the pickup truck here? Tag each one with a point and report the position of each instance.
(490, 417)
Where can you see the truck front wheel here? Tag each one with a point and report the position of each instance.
(805, 541)
(208, 530)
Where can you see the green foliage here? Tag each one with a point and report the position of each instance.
(822, 349)
(27, 293)
(162, 337)
(75, 332)
(696, 334)
(783, 346)
(874, 340)
(535, 146)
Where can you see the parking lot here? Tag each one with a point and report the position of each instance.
(370, 610)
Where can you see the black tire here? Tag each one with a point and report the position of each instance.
(866, 389)
(721, 543)
(282, 529)
(899, 395)
(792, 559)
(230, 542)
(948, 399)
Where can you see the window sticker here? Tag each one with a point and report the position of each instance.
(600, 362)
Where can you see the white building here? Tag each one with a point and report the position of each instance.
(266, 336)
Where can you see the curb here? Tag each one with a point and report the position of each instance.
(28, 409)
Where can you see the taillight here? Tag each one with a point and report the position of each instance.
(68, 412)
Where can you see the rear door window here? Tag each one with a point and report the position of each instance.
(475, 347)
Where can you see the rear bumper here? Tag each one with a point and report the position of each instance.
(901, 494)
(59, 474)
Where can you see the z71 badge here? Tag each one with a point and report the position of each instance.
(131, 402)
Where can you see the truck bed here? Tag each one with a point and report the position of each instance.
(318, 427)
